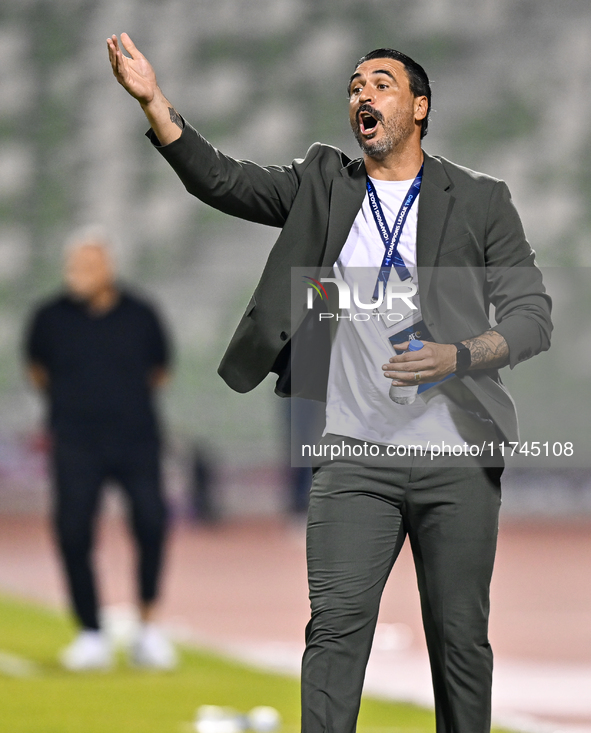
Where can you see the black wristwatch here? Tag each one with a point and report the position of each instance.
(463, 359)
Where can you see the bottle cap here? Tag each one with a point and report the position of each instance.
(415, 345)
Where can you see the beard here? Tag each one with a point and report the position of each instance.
(396, 131)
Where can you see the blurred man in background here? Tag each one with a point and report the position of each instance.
(99, 354)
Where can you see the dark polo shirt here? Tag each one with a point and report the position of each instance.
(99, 368)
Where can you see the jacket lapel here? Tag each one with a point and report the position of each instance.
(346, 197)
(434, 206)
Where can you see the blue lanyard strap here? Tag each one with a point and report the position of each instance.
(391, 239)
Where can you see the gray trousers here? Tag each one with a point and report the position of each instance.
(358, 520)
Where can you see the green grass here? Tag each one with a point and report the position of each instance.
(130, 701)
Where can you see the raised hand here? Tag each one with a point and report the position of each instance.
(133, 72)
(136, 75)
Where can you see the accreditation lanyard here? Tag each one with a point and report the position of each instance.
(391, 239)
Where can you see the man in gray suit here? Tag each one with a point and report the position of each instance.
(331, 211)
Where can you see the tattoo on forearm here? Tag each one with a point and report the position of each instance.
(488, 351)
(175, 117)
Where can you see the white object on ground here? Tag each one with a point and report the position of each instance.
(264, 719)
(215, 719)
(90, 650)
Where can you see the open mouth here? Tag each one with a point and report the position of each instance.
(367, 122)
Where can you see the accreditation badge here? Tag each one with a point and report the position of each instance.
(398, 305)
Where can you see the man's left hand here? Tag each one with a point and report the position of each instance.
(432, 363)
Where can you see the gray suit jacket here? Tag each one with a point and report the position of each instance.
(465, 220)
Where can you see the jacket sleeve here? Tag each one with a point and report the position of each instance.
(237, 187)
(515, 287)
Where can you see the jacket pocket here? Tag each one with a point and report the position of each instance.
(464, 240)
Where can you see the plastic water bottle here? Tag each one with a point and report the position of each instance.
(406, 395)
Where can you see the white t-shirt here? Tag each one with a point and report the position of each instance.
(358, 403)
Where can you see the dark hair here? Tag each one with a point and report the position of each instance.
(417, 77)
